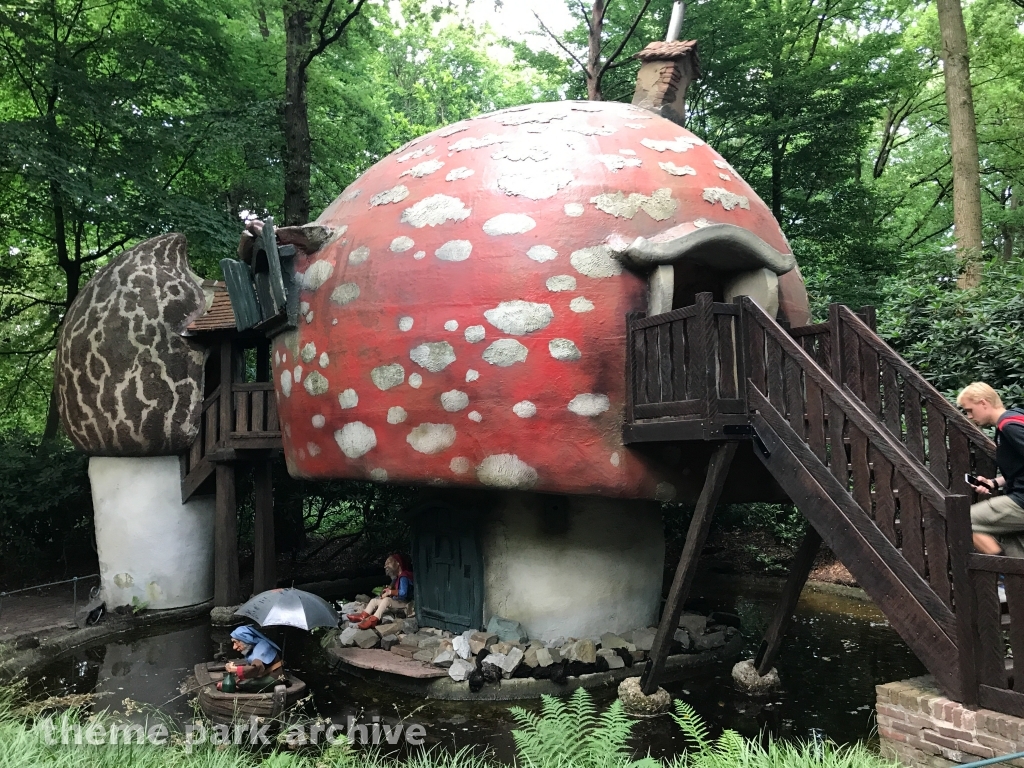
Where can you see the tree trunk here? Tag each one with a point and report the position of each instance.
(1008, 229)
(963, 139)
(594, 50)
(298, 154)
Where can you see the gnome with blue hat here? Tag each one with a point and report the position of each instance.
(263, 667)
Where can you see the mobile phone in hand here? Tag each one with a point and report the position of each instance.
(975, 480)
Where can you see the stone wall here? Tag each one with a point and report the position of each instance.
(919, 726)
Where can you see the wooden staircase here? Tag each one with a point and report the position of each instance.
(868, 451)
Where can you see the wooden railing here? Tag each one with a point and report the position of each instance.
(905, 537)
(1000, 681)
(255, 410)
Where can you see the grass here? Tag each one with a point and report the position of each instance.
(565, 734)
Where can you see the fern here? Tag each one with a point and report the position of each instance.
(694, 729)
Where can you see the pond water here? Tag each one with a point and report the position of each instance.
(836, 651)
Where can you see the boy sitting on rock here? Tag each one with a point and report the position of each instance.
(396, 597)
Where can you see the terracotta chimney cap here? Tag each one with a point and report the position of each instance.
(662, 51)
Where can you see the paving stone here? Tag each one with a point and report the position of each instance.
(460, 670)
(709, 642)
(444, 659)
(393, 628)
(512, 660)
(347, 637)
(612, 641)
(507, 629)
(404, 651)
(501, 647)
(461, 647)
(615, 661)
(543, 657)
(426, 654)
(411, 625)
(366, 638)
(643, 638)
(388, 642)
(585, 651)
(682, 637)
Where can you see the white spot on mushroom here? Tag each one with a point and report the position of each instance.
(660, 205)
(460, 465)
(564, 350)
(431, 438)
(419, 255)
(317, 275)
(614, 459)
(315, 383)
(384, 377)
(539, 184)
(434, 210)
(303, 307)
(595, 262)
(678, 170)
(416, 154)
(542, 253)
(520, 317)
(699, 223)
(454, 401)
(297, 374)
(435, 356)
(401, 244)
(475, 416)
(573, 209)
(451, 325)
(350, 194)
(345, 293)
(313, 448)
(415, 380)
(518, 153)
(589, 404)
(308, 352)
(393, 195)
(318, 421)
(309, 317)
(286, 383)
(722, 164)
(457, 174)
(616, 163)
(472, 375)
(506, 470)
(451, 130)
(277, 358)
(509, 224)
(505, 352)
(356, 439)
(680, 144)
(425, 168)
(405, 323)
(729, 200)
(471, 142)
(635, 126)
(324, 360)
(725, 177)
(665, 491)
(397, 414)
(334, 321)
(454, 250)
(524, 409)
(379, 475)
(629, 152)
(560, 283)
(348, 399)
(359, 255)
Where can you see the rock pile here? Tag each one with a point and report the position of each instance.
(505, 650)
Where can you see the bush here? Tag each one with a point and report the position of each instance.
(45, 504)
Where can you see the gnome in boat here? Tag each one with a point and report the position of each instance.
(262, 667)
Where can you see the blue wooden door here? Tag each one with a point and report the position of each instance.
(448, 570)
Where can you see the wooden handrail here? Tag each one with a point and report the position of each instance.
(917, 381)
(211, 398)
(252, 386)
(893, 450)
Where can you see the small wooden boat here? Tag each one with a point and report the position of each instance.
(226, 708)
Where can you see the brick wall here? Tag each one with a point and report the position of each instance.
(920, 727)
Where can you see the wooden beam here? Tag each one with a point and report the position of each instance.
(264, 575)
(696, 536)
(226, 588)
(803, 561)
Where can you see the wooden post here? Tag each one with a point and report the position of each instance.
(836, 343)
(958, 536)
(264, 575)
(227, 378)
(707, 346)
(718, 468)
(803, 561)
(226, 589)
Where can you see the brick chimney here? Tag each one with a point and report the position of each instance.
(666, 71)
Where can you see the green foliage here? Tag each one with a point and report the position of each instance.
(954, 337)
(45, 506)
(572, 733)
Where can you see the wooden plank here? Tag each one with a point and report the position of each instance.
(1015, 602)
(885, 500)
(959, 462)
(859, 468)
(835, 326)
(665, 362)
(960, 544)
(925, 624)
(996, 564)
(795, 397)
(911, 526)
(264, 550)
(227, 376)
(197, 475)
(809, 330)
(630, 365)
(674, 408)
(872, 387)
(680, 356)
(665, 317)
(211, 422)
(257, 409)
(936, 550)
(851, 374)
(653, 366)
(892, 402)
(663, 431)
(696, 536)
(240, 412)
(1009, 702)
(226, 588)
(756, 360)
(775, 372)
(800, 568)
(937, 456)
(990, 649)
(252, 386)
(708, 346)
(914, 421)
(838, 460)
(273, 425)
(727, 386)
(815, 420)
(640, 366)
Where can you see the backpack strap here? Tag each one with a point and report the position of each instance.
(1014, 419)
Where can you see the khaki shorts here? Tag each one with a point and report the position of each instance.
(1001, 517)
